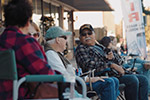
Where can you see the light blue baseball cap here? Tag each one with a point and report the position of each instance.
(56, 31)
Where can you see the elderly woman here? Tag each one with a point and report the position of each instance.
(34, 31)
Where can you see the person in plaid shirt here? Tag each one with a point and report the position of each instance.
(88, 58)
(92, 56)
(30, 57)
(87, 53)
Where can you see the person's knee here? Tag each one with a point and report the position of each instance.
(115, 80)
(144, 80)
(111, 81)
(133, 80)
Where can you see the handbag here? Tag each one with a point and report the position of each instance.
(39, 90)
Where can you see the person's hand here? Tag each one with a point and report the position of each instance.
(134, 69)
(110, 55)
(118, 68)
(95, 79)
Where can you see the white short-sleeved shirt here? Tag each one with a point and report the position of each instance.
(55, 62)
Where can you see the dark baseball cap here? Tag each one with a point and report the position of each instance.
(86, 26)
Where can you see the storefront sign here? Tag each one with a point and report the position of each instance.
(134, 27)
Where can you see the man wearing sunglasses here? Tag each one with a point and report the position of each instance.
(91, 56)
(88, 58)
(56, 39)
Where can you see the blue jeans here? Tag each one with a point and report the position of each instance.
(140, 69)
(136, 86)
(108, 90)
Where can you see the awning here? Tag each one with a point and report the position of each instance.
(88, 5)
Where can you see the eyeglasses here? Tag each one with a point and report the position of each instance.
(64, 37)
(84, 34)
(34, 34)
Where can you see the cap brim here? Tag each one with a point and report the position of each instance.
(67, 33)
(84, 29)
(87, 29)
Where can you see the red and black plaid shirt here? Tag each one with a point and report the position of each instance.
(30, 59)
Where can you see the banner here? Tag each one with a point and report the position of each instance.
(134, 27)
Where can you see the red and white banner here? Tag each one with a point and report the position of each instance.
(134, 26)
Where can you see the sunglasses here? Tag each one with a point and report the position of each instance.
(64, 37)
(84, 34)
(34, 34)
